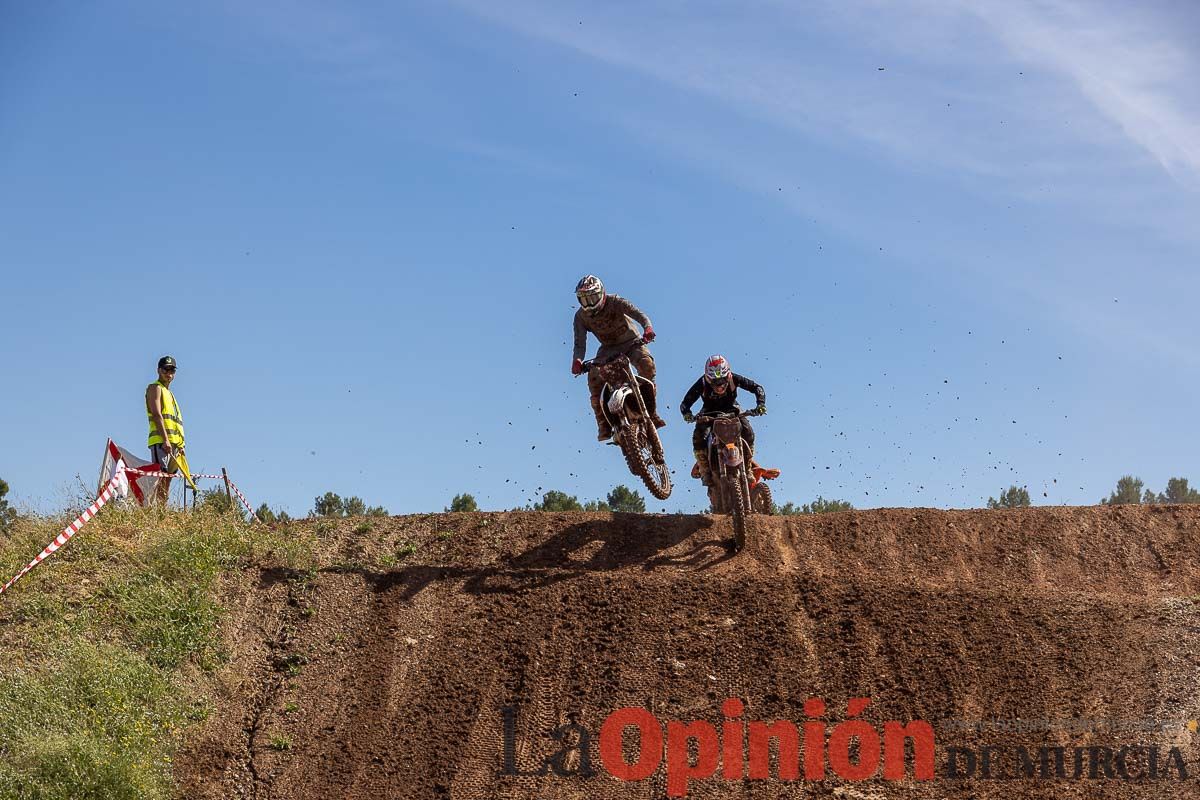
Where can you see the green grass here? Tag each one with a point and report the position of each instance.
(100, 723)
(106, 646)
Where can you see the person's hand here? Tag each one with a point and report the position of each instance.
(577, 367)
(648, 333)
(166, 448)
(759, 410)
(689, 418)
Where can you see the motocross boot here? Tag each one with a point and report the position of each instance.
(652, 406)
(603, 429)
(702, 467)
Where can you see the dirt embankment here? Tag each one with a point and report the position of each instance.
(383, 678)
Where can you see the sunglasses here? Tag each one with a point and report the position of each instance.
(167, 369)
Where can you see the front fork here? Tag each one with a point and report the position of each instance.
(725, 458)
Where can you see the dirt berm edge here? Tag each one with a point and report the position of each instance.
(386, 672)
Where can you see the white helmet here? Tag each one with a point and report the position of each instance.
(716, 369)
(590, 292)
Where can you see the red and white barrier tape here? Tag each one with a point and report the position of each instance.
(145, 473)
(109, 489)
(70, 530)
(242, 497)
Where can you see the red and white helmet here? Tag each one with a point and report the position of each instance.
(590, 292)
(716, 369)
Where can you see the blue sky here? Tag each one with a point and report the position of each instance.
(955, 241)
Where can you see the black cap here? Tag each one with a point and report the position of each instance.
(166, 361)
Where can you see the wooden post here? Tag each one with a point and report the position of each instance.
(225, 477)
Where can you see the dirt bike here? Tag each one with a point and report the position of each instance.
(624, 401)
(736, 484)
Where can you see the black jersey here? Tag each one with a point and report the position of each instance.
(727, 401)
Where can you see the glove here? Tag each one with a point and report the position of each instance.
(689, 418)
(759, 410)
(648, 333)
(577, 367)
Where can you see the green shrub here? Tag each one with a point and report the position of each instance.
(94, 694)
(93, 720)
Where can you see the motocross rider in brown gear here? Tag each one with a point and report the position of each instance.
(608, 317)
(718, 386)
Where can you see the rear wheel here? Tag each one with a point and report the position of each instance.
(761, 501)
(716, 497)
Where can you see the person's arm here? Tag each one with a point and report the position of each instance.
(630, 310)
(689, 399)
(154, 406)
(760, 394)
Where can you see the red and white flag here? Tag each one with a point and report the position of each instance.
(116, 459)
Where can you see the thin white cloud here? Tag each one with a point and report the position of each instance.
(951, 98)
(1131, 69)
(956, 99)
(981, 95)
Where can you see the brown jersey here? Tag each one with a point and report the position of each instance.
(611, 324)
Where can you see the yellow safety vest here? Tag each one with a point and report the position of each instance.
(172, 418)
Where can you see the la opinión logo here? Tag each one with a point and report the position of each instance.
(740, 749)
(634, 745)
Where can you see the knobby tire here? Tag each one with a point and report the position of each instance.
(645, 461)
(739, 506)
(761, 501)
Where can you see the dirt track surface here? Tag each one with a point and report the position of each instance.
(371, 681)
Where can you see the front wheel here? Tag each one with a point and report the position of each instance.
(644, 456)
(739, 505)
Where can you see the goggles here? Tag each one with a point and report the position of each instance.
(590, 300)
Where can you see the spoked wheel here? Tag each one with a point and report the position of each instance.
(644, 456)
(761, 501)
(741, 509)
(735, 493)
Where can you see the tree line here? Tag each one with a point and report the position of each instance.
(624, 499)
(330, 504)
(1130, 490)
(621, 499)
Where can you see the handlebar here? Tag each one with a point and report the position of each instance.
(638, 342)
(722, 415)
(715, 415)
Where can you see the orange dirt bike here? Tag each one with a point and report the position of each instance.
(624, 399)
(737, 485)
